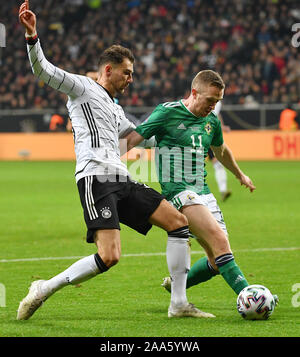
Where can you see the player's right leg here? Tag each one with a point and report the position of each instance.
(178, 258)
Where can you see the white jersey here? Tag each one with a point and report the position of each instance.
(217, 108)
(97, 121)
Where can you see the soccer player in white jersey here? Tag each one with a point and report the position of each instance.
(220, 172)
(108, 195)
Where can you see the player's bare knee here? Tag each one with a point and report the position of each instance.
(216, 235)
(180, 221)
(222, 248)
(176, 219)
(218, 242)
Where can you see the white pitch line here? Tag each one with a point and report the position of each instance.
(147, 254)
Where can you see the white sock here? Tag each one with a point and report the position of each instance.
(178, 260)
(82, 270)
(221, 176)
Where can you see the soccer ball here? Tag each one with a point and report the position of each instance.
(255, 302)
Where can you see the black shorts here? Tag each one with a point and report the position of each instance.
(107, 204)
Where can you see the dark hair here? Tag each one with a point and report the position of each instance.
(115, 54)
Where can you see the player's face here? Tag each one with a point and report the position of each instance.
(121, 76)
(206, 99)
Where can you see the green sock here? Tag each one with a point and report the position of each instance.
(233, 275)
(200, 272)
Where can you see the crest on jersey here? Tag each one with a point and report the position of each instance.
(208, 128)
(190, 197)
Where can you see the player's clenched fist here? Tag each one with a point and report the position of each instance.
(27, 18)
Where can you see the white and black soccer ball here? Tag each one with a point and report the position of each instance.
(255, 302)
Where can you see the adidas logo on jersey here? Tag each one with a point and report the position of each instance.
(181, 126)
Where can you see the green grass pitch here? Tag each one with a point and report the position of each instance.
(43, 232)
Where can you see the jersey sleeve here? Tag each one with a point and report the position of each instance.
(218, 135)
(125, 127)
(154, 124)
(70, 84)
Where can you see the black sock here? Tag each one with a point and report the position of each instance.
(101, 266)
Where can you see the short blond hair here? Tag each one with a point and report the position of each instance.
(207, 78)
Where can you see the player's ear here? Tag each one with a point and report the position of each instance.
(194, 93)
(108, 69)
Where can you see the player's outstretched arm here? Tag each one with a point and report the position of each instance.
(135, 139)
(65, 82)
(129, 141)
(225, 156)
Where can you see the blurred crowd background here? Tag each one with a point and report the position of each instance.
(248, 42)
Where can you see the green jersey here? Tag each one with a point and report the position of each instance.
(182, 141)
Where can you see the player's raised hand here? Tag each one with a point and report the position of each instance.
(27, 18)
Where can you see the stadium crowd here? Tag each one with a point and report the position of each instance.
(248, 42)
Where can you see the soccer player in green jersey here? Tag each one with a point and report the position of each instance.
(184, 131)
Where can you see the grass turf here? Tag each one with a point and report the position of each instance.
(41, 217)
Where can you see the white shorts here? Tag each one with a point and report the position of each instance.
(189, 198)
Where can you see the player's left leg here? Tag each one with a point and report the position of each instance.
(204, 226)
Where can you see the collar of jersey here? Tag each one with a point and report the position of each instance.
(111, 97)
(190, 111)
